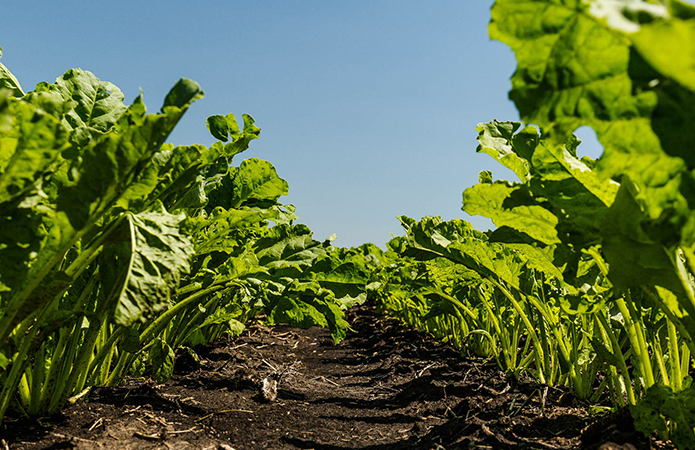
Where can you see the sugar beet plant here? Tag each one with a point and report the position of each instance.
(117, 249)
(591, 267)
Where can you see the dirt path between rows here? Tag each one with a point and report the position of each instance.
(384, 387)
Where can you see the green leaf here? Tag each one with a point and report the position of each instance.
(669, 47)
(346, 279)
(112, 163)
(171, 176)
(574, 71)
(496, 139)
(296, 314)
(574, 193)
(634, 258)
(257, 182)
(183, 93)
(288, 250)
(664, 411)
(141, 269)
(30, 142)
(305, 305)
(9, 81)
(225, 230)
(217, 126)
(512, 206)
(130, 340)
(97, 104)
(239, 139)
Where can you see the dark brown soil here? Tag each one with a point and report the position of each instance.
(384, 387)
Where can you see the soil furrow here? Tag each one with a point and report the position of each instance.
(384, 387)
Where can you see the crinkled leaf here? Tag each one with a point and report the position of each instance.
(257, 182)
(98, 104)
(224, 230)
(577, 195)
(346, 280)
(574, 71)
(30, 142)
(512, 206)
(110, 165)
(497, 139)
(287, 250)
(218, 127)
(239, 139)
(171, 176)
(307, 304)
(142, 267)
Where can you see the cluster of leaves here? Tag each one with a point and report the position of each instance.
(117, 250)
(596, 253)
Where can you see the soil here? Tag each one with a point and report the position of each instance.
(384, 387)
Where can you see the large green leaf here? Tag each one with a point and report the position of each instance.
(288, 250)
(30, 142)
(142, 267)
(635, 259)
(257, 183)
(308, 304)
(575, 193)
(97, 104)
(170, 176)
(572, 71)
(112, 163)
(345, 273)
(226, 230)
(512, 206)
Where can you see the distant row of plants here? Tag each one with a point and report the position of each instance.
(589, 279)
(118, 250)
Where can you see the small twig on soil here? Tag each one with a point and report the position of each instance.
(423, 370)
(97, 423)
(270, 365)
(222, 412)
(190, 430)
(326, 380)
(132, 410)
(149, 437)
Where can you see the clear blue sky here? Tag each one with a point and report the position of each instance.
(367, 108)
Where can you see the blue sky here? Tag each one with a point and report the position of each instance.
(367, 108)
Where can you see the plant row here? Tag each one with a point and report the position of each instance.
(118, 250)
(588, 280)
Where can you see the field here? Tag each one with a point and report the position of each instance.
(154, 295)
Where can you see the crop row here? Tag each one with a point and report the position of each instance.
(588, 281)
(117, 250)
